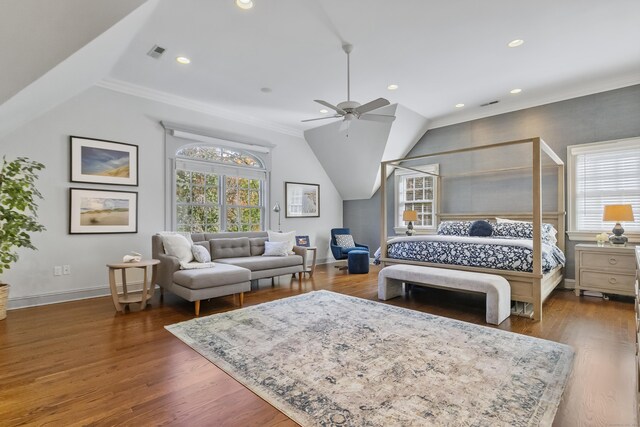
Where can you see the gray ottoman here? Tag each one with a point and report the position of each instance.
(217, 281)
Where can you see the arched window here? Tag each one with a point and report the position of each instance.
(218, 189)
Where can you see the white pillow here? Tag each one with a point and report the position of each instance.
(178, 246)
(275, 249)
(289, 237)
(200, 253)
(501, 220)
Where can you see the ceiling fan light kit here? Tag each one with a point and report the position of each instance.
(351, 110)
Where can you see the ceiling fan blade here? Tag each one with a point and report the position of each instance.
(377, 118)
(373, 105)
(333, 107)
(322, 118)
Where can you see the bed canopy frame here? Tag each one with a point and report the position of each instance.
(528, 287)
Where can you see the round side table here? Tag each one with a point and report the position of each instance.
(126, 298)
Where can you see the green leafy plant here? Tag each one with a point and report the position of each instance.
(18, 207)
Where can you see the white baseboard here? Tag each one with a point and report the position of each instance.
(65, 296)
(568, 284)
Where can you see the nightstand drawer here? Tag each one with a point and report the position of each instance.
(618, 262)
(612, 281)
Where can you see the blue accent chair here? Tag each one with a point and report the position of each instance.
(340, 253)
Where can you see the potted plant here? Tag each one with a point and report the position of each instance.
(18, 214)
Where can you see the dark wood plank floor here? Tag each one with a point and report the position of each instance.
(81, 363)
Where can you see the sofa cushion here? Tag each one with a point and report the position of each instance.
(230, 248)
(219, 275)
(275, 249)
(200, 253)
(257, 245)
(177, 245)
(257, 263)
(289, 237)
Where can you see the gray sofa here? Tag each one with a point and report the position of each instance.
(239, 263)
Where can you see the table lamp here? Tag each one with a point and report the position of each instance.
(410, 216)
(618, 213)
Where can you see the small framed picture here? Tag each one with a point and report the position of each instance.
(102, 212)
(98, 161)
(302, 200)
(302, 241)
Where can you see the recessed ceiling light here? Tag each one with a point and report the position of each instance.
(514, 91)
(324, 111)
(183, 60)
(459, 105)
(515, 43)
(392, 87)
(244, 4)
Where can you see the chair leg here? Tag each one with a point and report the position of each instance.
(241, 298)
(197, 308)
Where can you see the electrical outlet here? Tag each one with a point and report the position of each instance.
(66, 269)
(57, 270)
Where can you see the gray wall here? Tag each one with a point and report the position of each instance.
(599, 117)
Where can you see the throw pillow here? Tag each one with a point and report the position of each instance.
(345, 241)
(289, 238)
(200, 253)
(276, 249)
(178, 246)
(480, 228)
(454, 228)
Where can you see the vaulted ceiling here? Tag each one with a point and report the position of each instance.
(266, 65)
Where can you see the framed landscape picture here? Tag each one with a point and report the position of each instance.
(302, 200)
(302, 241)
(103, 162)
(102, 212)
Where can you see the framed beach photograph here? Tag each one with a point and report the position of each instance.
(102, 211)
(302, 200)
(103, 162)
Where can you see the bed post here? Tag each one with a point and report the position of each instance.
(562, 214)
(537, 229)
(383, 210)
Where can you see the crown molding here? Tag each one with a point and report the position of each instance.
(189, 104)
(556, 96)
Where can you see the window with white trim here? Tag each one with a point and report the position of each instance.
(416, 191)
(604, 173)
(218, 189)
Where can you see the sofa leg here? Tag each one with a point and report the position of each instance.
(300, 278)
(197, 308)
(241, 298)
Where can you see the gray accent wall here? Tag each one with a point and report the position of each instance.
(599, 117)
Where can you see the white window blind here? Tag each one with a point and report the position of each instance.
(605, 174)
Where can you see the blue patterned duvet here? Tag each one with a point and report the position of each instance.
(486, 252)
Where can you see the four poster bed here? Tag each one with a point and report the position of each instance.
(532, 262)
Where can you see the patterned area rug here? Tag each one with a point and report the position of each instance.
(327, 359)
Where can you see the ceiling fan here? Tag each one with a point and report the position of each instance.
(350, 110)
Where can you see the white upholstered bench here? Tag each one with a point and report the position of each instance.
(497, 289)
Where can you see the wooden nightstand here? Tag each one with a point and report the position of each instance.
(607, 269)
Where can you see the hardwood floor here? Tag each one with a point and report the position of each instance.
(81, 363)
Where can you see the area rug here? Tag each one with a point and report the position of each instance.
(326, 359)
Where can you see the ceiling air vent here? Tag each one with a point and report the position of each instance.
(156, 51)
(489, 103)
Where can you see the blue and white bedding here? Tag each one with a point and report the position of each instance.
(500, 253)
